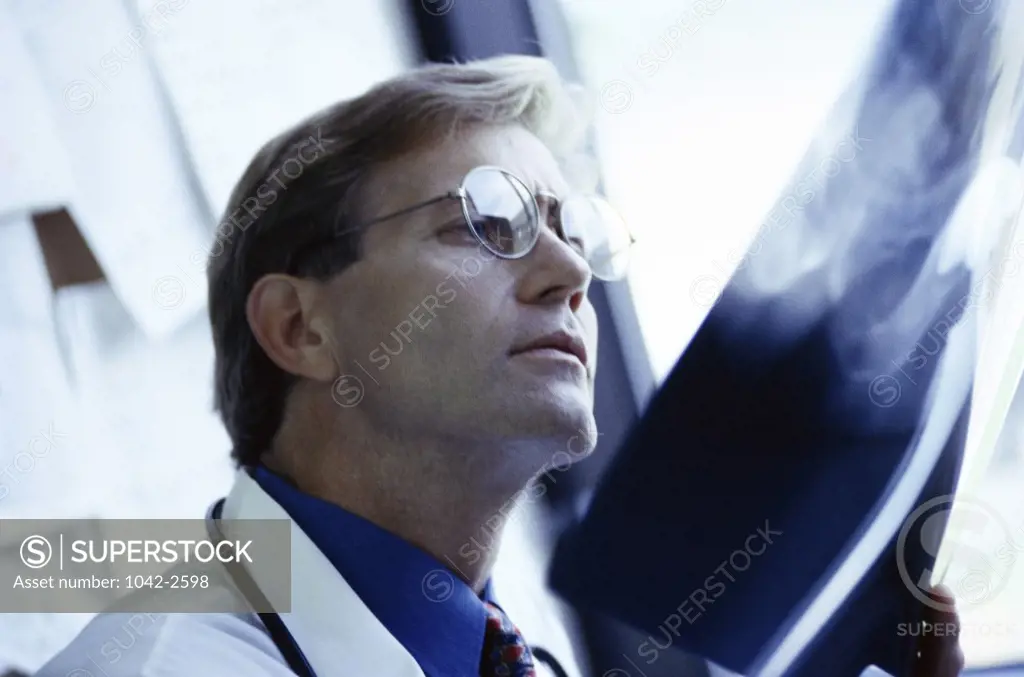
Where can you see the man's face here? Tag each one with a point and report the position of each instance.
(430, 321)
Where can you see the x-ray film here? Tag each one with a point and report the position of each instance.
(827, 394)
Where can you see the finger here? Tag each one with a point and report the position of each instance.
(938, 648)
(943, 611)
(944, 600)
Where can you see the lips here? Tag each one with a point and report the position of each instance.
(562, 341)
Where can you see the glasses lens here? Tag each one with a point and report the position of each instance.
(602, 232)
(501, 211)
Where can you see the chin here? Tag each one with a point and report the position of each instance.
(564, 417)
(543, 435)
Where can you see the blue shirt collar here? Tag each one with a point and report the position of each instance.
(437, 617)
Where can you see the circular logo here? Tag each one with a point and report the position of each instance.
(616, 672)
(975, 6)
(705, 290)
(979, 22)
(36, 552)
(79, 672)
(348, 391)
(957, 522)
(438, 585)
(198, 258)
(78, 96)
(168, 292)
(885, 390)
(616, 96)
(437, 7)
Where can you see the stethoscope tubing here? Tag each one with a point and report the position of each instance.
(276, 628)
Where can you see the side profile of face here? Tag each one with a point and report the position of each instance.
(430, 322)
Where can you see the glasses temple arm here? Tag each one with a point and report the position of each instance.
(451, 195)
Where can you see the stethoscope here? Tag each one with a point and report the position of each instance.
(276, 628)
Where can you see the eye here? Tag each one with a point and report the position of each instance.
(572, 239)
(577, 244)
(495, 229)
(454, 228)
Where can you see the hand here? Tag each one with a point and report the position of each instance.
(939, 653)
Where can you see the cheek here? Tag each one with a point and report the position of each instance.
(422, 316)
(588, 325)
(444, 308)
(470, 279)
(382, 309)
(466, 312)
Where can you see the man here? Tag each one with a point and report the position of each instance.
(403, 343)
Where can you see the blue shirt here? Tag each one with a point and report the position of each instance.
(437, 617)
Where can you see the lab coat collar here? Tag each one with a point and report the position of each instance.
(338, 634)
(439, 619)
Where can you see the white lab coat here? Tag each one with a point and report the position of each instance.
(339, 635)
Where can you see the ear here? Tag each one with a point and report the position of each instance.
(285, 315)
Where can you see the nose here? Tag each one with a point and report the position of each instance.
(553, 273)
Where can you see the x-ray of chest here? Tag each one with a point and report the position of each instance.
(832, 379)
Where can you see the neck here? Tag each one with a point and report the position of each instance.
(450, 497)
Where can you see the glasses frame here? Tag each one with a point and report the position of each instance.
(462, 195)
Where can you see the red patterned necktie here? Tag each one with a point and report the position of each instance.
(505, 651)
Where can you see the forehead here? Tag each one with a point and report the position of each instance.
(434, 170)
